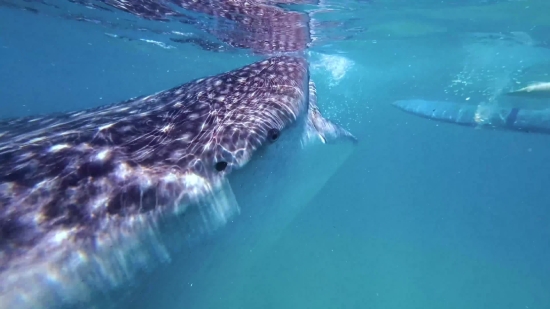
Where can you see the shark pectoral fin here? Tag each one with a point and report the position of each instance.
(327, 131)
(320, 128)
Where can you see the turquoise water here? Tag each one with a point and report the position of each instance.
(420, 214)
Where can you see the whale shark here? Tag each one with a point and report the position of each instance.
(89, 198)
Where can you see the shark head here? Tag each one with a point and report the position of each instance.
(129, 153)
(76, 185)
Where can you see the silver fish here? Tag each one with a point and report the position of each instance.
(537, 90)
(480, 116)
(88, 198)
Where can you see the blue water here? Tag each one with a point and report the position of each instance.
(420, 215)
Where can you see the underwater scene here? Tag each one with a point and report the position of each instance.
(277, 154)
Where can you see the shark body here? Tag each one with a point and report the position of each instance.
(86, 197)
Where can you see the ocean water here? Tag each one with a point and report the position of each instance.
(419, 214)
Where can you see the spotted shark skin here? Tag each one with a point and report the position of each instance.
(83, 195)
(256, 25)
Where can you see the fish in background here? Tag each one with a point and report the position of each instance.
(525, 110)
(480, 116)
(539, 90)
(89, 198)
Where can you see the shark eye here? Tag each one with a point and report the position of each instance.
(273, 135)
(220, 166)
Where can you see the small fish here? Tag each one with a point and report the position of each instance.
(480, 116)
(536, 91)
(87, 198)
